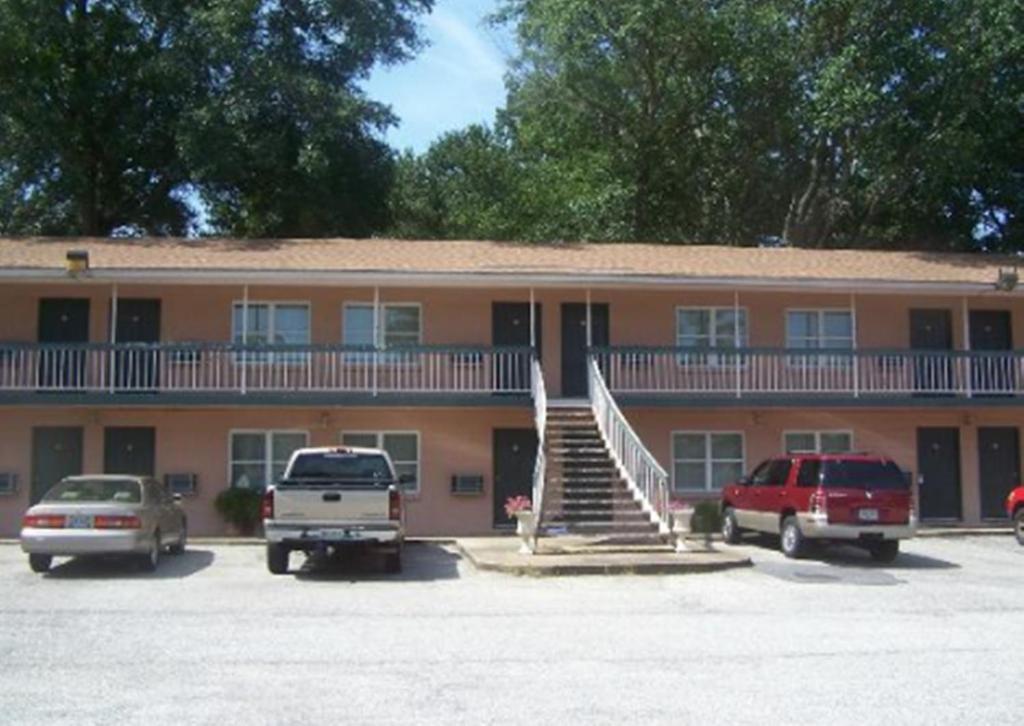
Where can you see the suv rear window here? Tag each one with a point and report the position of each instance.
(341, 467)
(858, 474)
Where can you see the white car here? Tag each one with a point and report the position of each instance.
(332, 499)
(104, 515)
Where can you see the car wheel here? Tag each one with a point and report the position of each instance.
(149, 561)
(791, 538)
(730, 529)
(1018, 525)
(885, 551)
(40, 563)
(277, 559)
(393, 562)
(179, 547)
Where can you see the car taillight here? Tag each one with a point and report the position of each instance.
(43, 521)
(103, 521)
(819, 502)
(267, 505)
(394, 505)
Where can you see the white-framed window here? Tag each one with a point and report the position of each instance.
(710, 327)
(400, 324)
(825, 328)
(402, 446)
(257, 458)
(271, 323)
(706, 460)
(817, 442)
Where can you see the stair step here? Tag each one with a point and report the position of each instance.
(601, 528)
(599, 515)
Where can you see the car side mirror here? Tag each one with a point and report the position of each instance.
(406, 479)
(176, 496)
(745, 481)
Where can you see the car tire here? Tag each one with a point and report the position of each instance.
(730, 529)
(277, 559)
(393, 563)
(151, 560)
(179, 547)
(40, 563)
(791, 539)
(886, 551)
(1018, 525)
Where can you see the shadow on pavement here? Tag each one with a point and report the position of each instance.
(113, 567)
(421, 561)
(842, 555)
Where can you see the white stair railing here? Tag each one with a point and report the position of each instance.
(644, 475)
(540, 420)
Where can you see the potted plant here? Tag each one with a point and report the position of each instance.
(681, 517)
(521, 508)
(240, 508)
(706, 520)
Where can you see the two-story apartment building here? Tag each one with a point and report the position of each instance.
(206, 362)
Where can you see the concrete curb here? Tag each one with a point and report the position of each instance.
(546, 568)
(1006, 531)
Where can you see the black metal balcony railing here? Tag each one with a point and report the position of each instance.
(244, 368)
(760, 372)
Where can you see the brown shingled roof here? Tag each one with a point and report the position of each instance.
(397, 256)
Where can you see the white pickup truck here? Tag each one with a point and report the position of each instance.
(333, 499)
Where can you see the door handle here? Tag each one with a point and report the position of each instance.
(332, 497)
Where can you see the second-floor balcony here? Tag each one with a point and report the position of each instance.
(794, 376)
(214, 372)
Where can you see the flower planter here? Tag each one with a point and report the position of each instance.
(682, 527)
(526, 528)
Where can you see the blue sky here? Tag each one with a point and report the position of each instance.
(455, 81)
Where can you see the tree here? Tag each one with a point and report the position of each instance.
(114, 111)
(897, 123)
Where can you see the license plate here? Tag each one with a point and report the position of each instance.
(79, 521)
(336, 534)
(868, 515)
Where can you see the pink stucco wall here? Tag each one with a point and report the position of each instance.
(452, 441)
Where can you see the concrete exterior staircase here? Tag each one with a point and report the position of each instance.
(584, 491)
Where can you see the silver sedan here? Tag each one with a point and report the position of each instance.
(104, 515)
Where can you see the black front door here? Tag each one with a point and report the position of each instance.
(138, 321)
(56, 453)
(515, 452)
(990, 330)
(62, 320)
(998, 468)
(129, 450)
(932, 330)
(574, 343)
(938, 467)
(510, 325)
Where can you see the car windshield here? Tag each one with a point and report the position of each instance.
(862, 474)
(344, 466)
(96, 490)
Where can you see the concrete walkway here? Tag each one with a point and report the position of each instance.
(587, 556)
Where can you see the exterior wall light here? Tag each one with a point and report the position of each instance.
(77, 262)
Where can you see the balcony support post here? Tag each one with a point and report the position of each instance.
(965, 315)
(245, 334)
(854, 343)
(376, 339)
(736, 341)
(111, 371)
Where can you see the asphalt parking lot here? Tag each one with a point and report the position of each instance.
(212, 638)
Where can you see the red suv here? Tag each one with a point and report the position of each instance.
(854, 498)
(1015, 511)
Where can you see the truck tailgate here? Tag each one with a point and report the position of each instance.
(322, 505)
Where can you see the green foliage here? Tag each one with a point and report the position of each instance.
(112, 111)
(707, 517)
(825, 123)
(239, 508)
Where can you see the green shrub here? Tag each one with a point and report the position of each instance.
(240, 508)
(707, 519)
